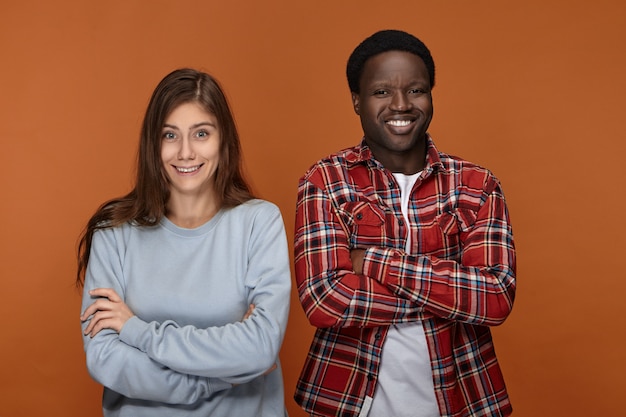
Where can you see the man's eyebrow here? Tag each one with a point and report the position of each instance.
(387, 83)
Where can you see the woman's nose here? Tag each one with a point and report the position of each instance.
(186, 150)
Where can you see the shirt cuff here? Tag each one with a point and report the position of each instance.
(377, 264)
(132, 331)
(216, 384)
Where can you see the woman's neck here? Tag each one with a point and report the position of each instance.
(190, 211)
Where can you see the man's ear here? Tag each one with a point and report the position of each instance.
(355, 103)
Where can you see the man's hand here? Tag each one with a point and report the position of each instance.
(357, 256)
(107, 312)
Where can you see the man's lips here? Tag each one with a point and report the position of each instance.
(400, 126)
(399, 123)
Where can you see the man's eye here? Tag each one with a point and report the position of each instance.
(380, 92)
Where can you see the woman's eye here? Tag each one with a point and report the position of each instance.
(169, 135)
(202, 134)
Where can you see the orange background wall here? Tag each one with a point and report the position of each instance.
(532, 89)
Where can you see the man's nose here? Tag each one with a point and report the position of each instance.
(400, 102)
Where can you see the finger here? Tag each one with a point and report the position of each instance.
(101, 325)
(89, 311)
(249, 312)
(101, 304)
(87, 329)
(270, 370)
(90, 325)
(107, 293)
(95, 319)
(110, 321)
(92, 309)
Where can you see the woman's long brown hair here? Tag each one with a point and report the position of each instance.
(145, 204)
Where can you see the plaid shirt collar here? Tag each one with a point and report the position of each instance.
(363, 154)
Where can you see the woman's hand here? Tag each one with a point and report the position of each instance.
(249, 312)
(107, 312)
(247, 315)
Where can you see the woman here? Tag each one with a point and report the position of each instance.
(186, 279)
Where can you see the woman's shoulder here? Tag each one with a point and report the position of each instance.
(255, 210)
(121, 231)
(259, 205)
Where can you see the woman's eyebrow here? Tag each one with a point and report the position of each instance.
(207, 123)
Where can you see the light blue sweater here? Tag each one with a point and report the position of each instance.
(187, 351)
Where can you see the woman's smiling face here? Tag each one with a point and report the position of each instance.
(190, 144)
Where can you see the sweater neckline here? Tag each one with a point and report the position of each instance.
(196, 231)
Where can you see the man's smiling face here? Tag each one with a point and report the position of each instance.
(394, 104)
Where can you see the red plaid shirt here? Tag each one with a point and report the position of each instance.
(459, 278)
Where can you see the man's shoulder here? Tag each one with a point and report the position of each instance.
(467, 173)
(456, 163)
(336, 161)
(341, 157)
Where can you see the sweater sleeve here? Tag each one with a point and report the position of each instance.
(479, 288)
(236, 352)
(123, 368)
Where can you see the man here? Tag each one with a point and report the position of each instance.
(404, 257)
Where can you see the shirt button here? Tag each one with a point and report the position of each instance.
(377, 336)
(401, 222)
(370, 377)
(359, 216)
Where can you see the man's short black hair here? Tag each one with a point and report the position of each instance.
(384, 41)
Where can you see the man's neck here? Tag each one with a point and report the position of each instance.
(407, 162)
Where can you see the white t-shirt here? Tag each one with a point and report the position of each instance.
(405, 385)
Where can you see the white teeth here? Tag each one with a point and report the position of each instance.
(399, 123)
(188, 169)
